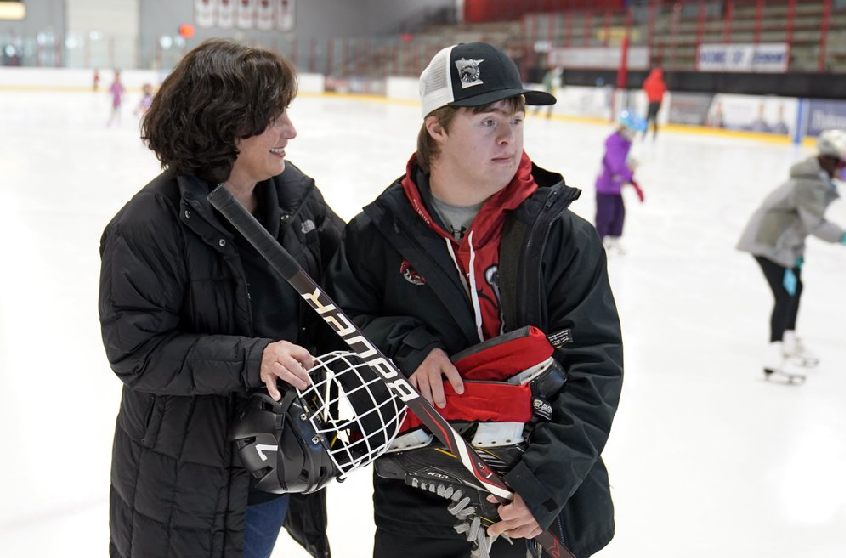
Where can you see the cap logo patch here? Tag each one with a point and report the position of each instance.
(468, 72)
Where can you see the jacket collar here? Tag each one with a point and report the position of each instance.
(415, 184)
(194, 193)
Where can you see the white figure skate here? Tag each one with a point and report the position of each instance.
(612, 245)
(780, 368)
(797, 352)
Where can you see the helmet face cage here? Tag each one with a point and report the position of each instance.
(352, 411)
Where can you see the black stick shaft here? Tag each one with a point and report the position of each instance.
(279, 258)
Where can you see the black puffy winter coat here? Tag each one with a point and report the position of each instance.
(176, 323)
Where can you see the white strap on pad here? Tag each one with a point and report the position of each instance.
(493, 434)
(411, 440)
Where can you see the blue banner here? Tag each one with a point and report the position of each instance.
(763, 57)
(824, 115)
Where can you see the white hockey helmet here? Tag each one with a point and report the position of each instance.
(832, 143)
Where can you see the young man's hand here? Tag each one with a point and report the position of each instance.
(428, 378)
(516, 520)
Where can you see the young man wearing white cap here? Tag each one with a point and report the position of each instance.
(422, 271)
(775, 236)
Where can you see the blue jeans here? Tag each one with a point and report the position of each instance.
(263, 524)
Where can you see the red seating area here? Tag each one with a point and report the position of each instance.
(673, 31)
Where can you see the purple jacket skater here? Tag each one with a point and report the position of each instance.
(610, 209)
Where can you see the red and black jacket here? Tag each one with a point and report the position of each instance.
(394, 275)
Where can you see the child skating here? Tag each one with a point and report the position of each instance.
(146, 100)
(775, 236)
(617, 171)
(116, 90)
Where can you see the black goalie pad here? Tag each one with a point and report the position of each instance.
(434, 469)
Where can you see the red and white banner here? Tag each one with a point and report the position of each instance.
(204, 13)
(225, 13)
(285, 15)
(246, 14)
(265, 15)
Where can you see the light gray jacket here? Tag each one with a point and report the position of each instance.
(777, 230)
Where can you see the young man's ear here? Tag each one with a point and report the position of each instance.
(433, 126)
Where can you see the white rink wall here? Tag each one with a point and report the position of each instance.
(596, 104)
(590, 103)
(766, 118)
(78, 80)
(72, 79)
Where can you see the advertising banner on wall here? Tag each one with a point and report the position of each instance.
(752, 114)
(204, 13)
(766, 57)
(285, 15)
(690, 109)
(824, 115)
(246, 13)
(637, 58)
(265, 16)
(225, 13)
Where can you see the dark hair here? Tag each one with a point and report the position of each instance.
(830, 164)
(427, 147)
(218, 93)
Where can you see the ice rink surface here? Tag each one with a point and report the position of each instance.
(706, 457)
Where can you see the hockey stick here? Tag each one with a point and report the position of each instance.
(279, 258)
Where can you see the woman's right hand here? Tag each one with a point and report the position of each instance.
(282, 360)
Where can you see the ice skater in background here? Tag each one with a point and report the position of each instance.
(775, 236)
(551, 82)
(116, 91)
(146, 100)
(655, 88)
(617, 170)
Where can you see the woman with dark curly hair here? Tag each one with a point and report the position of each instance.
(193, 319)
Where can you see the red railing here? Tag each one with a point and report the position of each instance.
(824, 34)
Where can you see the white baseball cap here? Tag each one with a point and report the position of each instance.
(832, 143)
(472, 75)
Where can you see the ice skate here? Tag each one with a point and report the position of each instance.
(780, 368)
(618, 246)
(612, 245)
(796, 352)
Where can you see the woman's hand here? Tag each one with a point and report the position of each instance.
(285, 361)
